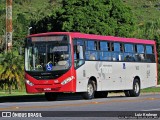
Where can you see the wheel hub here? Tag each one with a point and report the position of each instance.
(90, 89)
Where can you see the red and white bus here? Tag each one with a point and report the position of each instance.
(58, 62)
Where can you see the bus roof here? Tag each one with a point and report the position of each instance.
(97, 37)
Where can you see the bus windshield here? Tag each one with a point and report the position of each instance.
(47, 55)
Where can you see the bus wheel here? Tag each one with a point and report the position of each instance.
(90, 91)
(136, 89)
(51, 96)
(101, 94)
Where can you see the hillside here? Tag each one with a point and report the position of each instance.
(145, 10)
(25, 11)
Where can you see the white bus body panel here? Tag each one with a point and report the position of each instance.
(115, 75)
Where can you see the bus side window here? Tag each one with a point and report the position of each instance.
(105, 53)
(118, 52)
(91, 52)
(121, 54)
(140, 56)
(150, 57)
(128, 52)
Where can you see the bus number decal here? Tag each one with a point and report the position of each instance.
(106, 69)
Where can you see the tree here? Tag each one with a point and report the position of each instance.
(106, 17)
(11, 69)
(2, 43)
(103, 17)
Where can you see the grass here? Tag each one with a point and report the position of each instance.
(13, 94)
(151, 90)
(17, 93)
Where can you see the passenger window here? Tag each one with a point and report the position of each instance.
(91, 45)
(117, 50)
(149, 49)
(117, 56)
(91, 52)
(150, 57)
(117, 47)
(129, 48)
(140, 49)
(104, 46)
(140, 56)
(105, 55)
(129, 57)
(91, 55)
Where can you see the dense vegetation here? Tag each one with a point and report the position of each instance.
(110, 17)
(126, 18)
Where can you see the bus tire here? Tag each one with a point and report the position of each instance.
(135, 92)
(90, 91)
(50, 96)
(101, 94)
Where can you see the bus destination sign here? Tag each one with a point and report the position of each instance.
(50, 38)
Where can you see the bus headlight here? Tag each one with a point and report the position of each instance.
(67, 80)
(29, 83)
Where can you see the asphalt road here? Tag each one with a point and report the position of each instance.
(75, 106)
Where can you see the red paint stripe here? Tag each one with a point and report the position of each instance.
(98, 37)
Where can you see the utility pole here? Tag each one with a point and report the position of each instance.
(8, 25)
